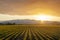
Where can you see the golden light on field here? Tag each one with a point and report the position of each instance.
(44, 17)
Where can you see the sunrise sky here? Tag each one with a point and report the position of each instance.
(29, 9)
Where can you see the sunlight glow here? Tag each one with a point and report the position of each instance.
(43, 17)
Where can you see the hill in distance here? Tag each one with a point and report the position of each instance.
(26, 21)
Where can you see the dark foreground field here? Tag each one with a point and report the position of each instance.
(29, 32)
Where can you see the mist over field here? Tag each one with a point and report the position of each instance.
(29, 30)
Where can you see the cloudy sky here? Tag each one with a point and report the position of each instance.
(30, 7)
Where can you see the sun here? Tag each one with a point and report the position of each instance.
(43, 17)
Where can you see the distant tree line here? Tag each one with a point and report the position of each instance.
(7, 23)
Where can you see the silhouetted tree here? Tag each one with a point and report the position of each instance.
(10, 23)
(1, 23)
(13, 23)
